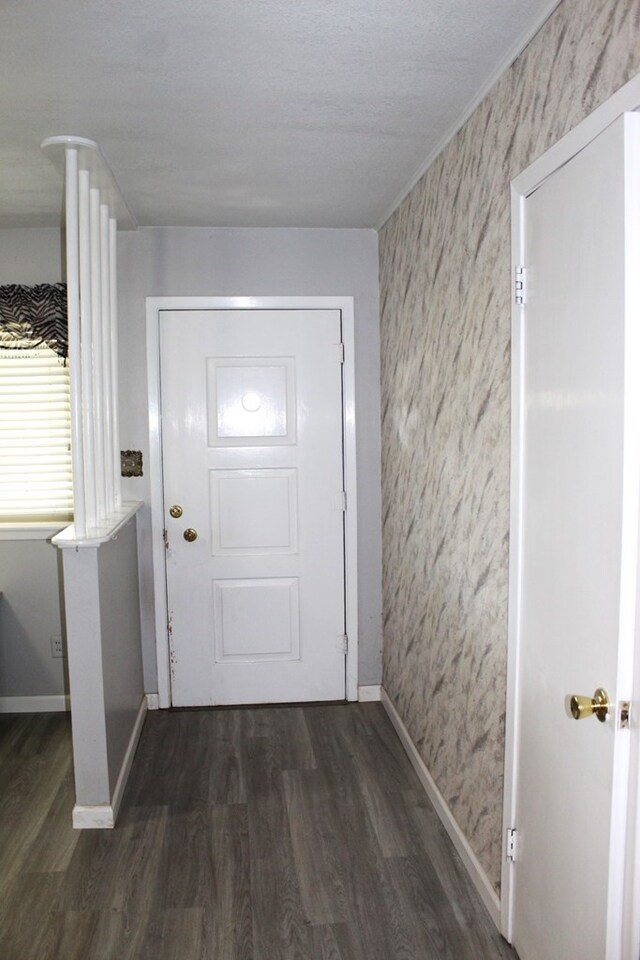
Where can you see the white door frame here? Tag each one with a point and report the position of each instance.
(345, 306)
(624, 100)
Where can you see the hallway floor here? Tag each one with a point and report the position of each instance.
(279, 833)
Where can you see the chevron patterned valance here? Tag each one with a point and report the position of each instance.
(31, 316)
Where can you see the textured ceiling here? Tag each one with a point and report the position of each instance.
(245, 112)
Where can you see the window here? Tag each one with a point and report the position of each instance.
(35, 421)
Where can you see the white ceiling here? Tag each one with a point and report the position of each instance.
(245, 112)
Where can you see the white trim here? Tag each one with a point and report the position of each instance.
(626, 99)
(369, 693)
(153, 701)
(30, 531)
(154, 306)
(156, 503)
(475, 870)
(458, 124)
(51, 703)
(622, 789)
(345, 305)
(91, 158)
(100, 534)
(99, 817)
(515, 570)
(127, 760)
(103, 816)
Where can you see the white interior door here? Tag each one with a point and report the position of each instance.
(579, 526)
(253, 466)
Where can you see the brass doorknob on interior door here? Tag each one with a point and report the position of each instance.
(598, 704)
(190, 535)
(175, 511)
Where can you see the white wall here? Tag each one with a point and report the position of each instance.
(30, 609)
(172, 261)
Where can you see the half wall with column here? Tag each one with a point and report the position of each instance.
(100, 566)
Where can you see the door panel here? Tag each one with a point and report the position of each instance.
(579, 455)
(250, 401)
(240, 604)
(254, 511)
(252, 453)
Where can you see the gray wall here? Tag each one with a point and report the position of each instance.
(30, 609)
(121, 648)
(280, 262)
(105, 659)
(445, 321)
(30, 256)
(230, 262)
(30, 614)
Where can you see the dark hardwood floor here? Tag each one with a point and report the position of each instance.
(270, 833)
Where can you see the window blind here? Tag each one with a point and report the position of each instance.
(35, 429)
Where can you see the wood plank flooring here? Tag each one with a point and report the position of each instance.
(279, 833)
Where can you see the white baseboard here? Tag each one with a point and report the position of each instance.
(55, 703)
(369, 693)
(474, 869)
(125, 769)
(153, 701)
(99, 817)
(103, 816)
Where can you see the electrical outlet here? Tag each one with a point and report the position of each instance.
(57, 649)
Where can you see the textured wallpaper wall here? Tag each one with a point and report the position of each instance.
(445, 325)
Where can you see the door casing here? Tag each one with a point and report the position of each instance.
(627, 839)
(155, 305)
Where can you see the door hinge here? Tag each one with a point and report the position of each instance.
(520, 285)
(512, 843)
(340, 500)
(340, 352)
(343, 643)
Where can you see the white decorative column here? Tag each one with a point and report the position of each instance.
(99, 550)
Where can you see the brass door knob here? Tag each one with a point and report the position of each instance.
(175, 511)
(190, 535)
(582, 707)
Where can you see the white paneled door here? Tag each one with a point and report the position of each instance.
(580, 458)
(254, 505)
